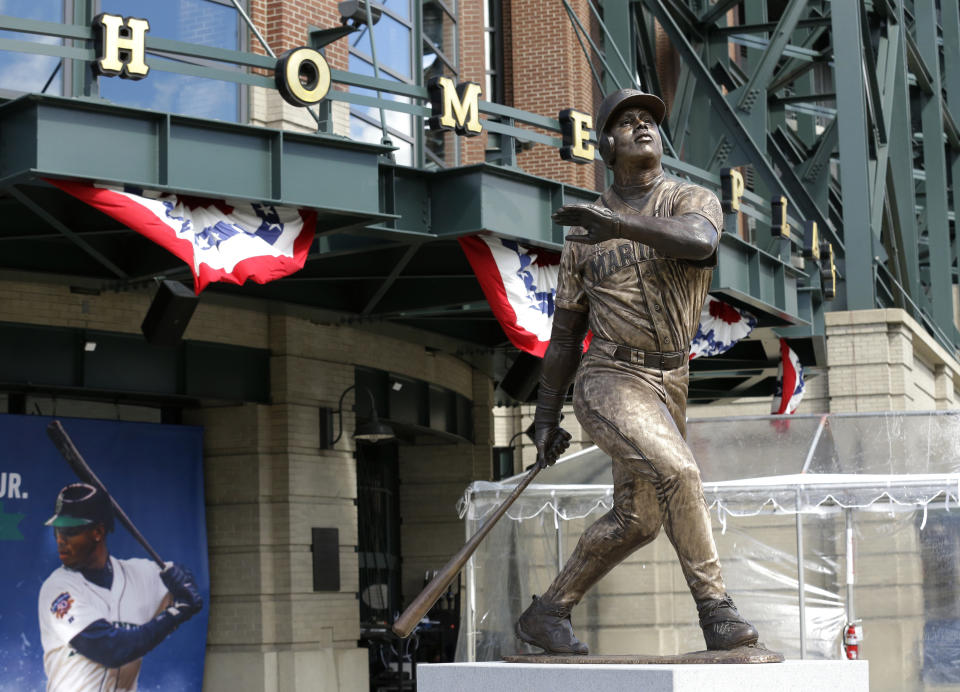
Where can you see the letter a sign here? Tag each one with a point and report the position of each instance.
(120, 45)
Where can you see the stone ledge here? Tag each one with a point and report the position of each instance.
(789, 676)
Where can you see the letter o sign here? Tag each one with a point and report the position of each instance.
(302, 76)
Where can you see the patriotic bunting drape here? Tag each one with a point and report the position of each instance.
(520, 284)
(721, 326)
(789, 389)
(220, 240)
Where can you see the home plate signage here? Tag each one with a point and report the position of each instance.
(302, 77)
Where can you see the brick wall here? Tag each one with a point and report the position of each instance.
(267, 482)
(472, 67)
(270, 485)
(548, 73)
(882, 360)
(216, 319)
(284, 24)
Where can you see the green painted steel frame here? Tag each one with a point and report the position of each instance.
(850, 168)
(72, 138)
(371, 204)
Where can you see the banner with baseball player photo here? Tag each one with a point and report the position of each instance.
(86, 605)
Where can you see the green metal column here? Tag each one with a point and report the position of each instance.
(854, 155)
(617, 18)
(935, 168)
(900, 183)
(950, 21)
(84, 81)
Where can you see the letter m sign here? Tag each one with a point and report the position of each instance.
(454, 107)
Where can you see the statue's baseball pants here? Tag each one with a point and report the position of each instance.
(637, 416)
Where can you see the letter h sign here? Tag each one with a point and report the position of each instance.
(120, 46)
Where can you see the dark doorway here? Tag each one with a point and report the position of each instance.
(378, 545)
(378, 526)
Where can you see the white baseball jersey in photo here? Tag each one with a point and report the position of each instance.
(69, 603)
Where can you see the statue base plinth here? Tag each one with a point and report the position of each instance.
(743, 654)
(789, 676)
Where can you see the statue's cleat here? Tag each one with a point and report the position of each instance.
(547, 626)
(724, 627)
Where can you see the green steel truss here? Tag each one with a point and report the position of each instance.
(847, 108)
(875, 179)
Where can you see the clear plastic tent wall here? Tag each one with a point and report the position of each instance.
(820, 521)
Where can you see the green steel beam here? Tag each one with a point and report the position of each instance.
(854, 156)
(388, 282)
(950, 21)
(936, 204)
(618, 23)
(679, 116)
(717, 11)
(75, 238)
(618, 16)
(740, 136)
(756, 85)
(870, 70)
(648, 62)
(766, 27)
(60, 137)
(900, 186)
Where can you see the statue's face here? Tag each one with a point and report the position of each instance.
(635, 136)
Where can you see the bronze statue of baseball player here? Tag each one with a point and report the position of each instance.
(636, 271)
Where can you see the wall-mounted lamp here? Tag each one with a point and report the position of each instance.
(371, 431)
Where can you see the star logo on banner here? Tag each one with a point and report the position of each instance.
(9, 531)
(270, 225)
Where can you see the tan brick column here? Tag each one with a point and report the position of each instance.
(882, 360)
(268, 484)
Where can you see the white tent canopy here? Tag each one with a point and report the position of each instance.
(819, 472)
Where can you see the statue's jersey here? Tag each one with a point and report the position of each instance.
(68, 603)
(637, 296)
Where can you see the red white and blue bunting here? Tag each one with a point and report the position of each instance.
(220, 240)
(789, 389)
(520, 284)
(721, 326)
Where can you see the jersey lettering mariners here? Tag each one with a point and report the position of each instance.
(69, 603)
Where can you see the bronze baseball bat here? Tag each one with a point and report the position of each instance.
(431, 592)
(65, 445)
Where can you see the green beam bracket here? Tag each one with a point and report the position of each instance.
(505, 201)
(67, 138)
(759, 281)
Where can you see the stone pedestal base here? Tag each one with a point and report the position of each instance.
(789, 676)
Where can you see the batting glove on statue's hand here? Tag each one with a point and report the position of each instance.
(551, 441)
(179, 581)
(599, 222)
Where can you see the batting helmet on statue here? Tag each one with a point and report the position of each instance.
(617, 101)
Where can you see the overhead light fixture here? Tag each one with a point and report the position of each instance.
(373, 430)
